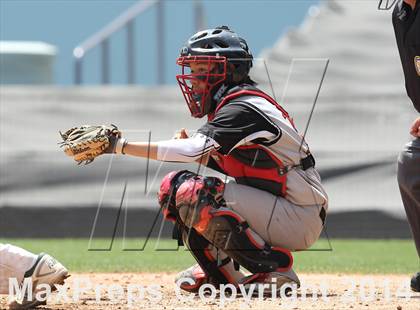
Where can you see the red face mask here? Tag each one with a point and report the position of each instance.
(198, 97)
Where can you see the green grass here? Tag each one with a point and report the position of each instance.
(347, 256)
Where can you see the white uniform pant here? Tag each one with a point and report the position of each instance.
(14, 262)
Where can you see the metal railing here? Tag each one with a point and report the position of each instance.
(127, 20)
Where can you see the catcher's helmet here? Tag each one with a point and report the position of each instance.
(228, 59)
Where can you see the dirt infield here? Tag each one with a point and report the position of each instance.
(157, 291)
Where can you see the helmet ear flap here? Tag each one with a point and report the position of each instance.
(237, 72)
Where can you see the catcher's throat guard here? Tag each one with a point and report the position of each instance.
(199, 206)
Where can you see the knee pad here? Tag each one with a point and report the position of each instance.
(167, 192)
(197, 198)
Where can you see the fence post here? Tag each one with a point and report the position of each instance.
(78, 71)
(105, 61)
(199, 15)
(160, 26)
(131, 53)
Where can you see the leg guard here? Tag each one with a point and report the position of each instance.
(212, 266)
(217, 266)
(201, 207)
(231, 233)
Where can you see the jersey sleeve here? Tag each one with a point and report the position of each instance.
(185, 150)
(239, 122)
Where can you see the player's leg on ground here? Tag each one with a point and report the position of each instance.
(14, 262)
(214, 266)
(201, 208)
(278, 221)
(409, 183)
(20, 264)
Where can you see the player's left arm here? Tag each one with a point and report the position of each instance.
(233, 126)
(176, 150)
(141, 149)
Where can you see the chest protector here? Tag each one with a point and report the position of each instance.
(255, 165)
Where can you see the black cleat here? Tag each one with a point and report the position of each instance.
(415, 282)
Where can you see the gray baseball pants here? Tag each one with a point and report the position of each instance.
(409, 183)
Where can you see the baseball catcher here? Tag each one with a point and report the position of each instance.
(275, 204)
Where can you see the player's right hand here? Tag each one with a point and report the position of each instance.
(182, 134)
(415, 128)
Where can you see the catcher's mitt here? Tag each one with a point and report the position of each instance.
(86, 142)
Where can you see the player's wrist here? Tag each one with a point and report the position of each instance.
(120, 146)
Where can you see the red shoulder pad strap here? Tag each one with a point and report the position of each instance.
(246, 92)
